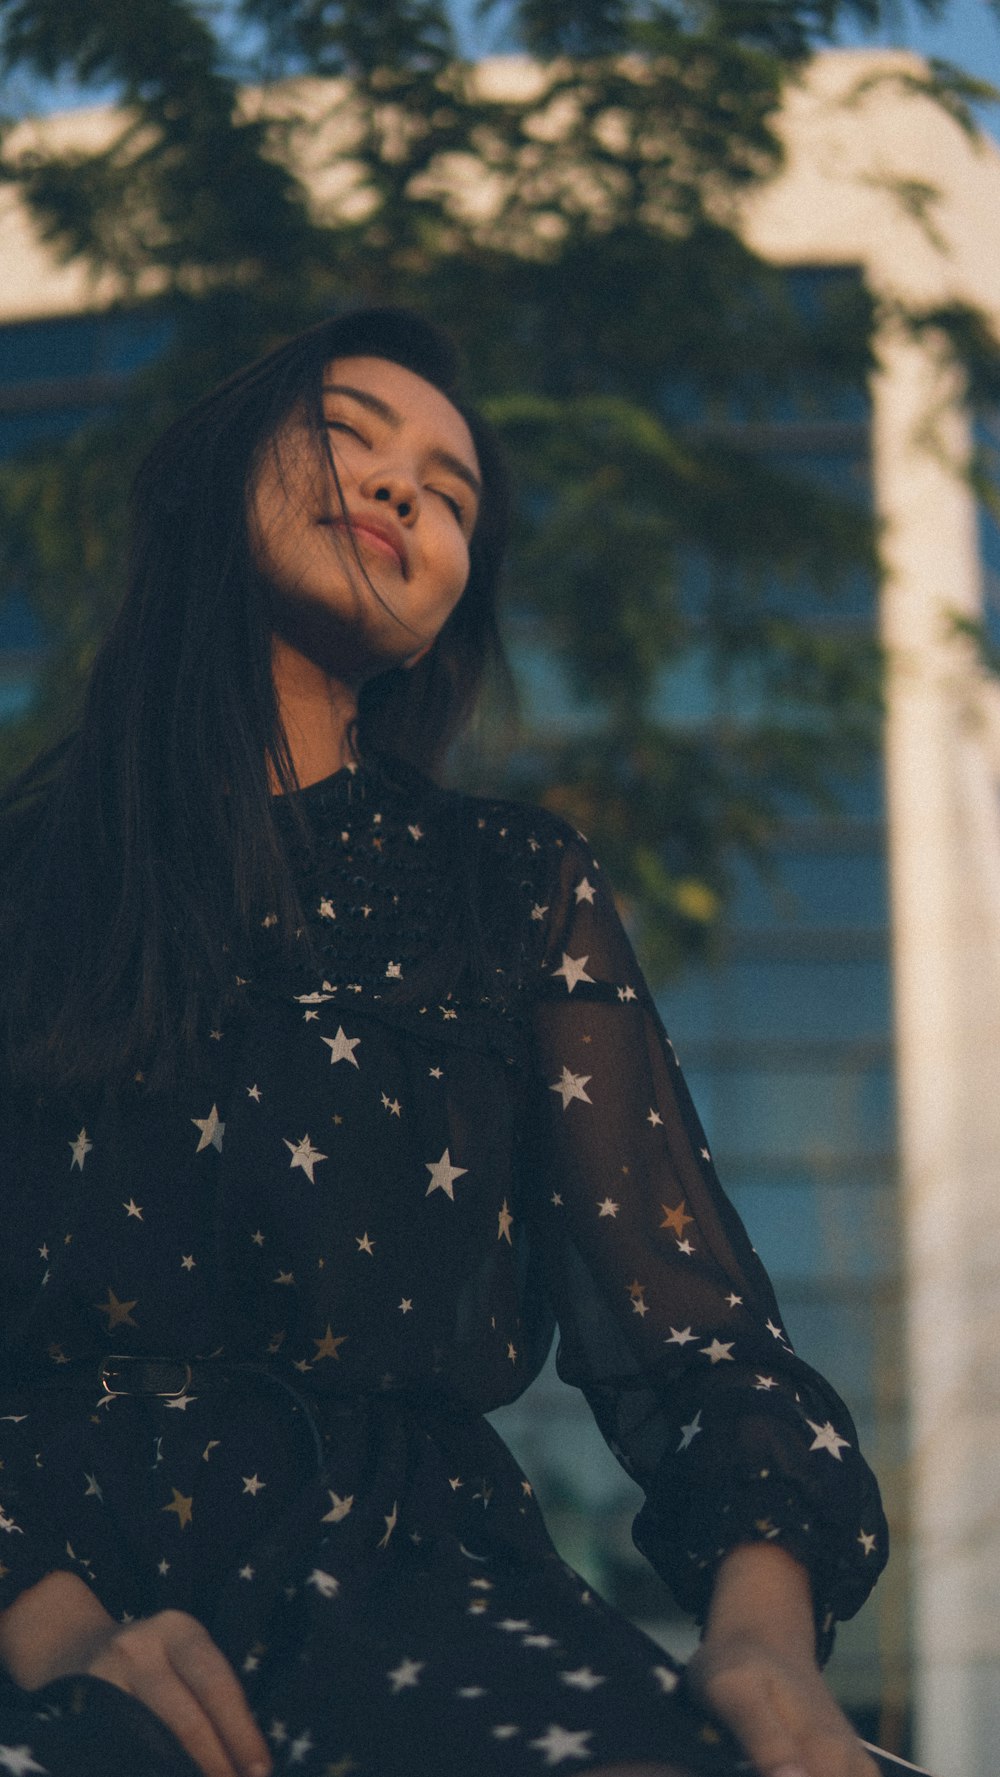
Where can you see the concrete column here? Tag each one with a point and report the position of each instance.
(944, 840)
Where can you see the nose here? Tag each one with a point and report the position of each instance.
(394, 487)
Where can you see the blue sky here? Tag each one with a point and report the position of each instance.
(968, 34)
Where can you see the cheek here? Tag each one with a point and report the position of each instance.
(455, 571)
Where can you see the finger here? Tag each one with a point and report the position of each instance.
(169, 1698)
(206, 1672)
(151, 1680)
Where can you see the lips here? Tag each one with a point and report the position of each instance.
(381, 531)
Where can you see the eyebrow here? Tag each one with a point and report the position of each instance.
(374, 403)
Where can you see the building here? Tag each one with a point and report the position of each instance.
(843, 1055)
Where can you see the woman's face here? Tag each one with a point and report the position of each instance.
(411, 484)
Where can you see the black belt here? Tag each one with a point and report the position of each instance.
(165, 1378)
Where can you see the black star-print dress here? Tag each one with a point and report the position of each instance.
(372, 1199)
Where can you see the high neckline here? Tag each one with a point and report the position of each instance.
(341, 784)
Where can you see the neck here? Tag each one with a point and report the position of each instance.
(317, 711)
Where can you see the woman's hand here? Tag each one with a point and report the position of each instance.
(168, 1661)
(755, 1671)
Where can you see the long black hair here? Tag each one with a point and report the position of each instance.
(143, 850)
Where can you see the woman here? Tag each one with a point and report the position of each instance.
(327, 1090)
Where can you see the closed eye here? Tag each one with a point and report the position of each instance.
(449, 499)
(342, 426)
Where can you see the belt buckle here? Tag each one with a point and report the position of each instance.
(166, 1377)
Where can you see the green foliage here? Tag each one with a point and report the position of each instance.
(628, 347)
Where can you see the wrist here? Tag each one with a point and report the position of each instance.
(763, 1592)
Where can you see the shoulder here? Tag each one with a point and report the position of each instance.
(521, 832)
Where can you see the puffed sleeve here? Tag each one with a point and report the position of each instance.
(667, 1320)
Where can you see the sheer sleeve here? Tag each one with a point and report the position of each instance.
(668, 1322)
(31, 1543)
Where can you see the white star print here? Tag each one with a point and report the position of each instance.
(868, 1542)
(690, 1432)
(325, 909)
(93, 1487)
(131, 1208)
(80, 1148)
(391, 1520)
(406, 1305)
(775, 1332)
(680, 1338)
(257, 1238)
(406, 1673)
(18, 1760)
(212, 1131)
(180, 1402)
(607, 1208)
(584, 891)
(626, 993)
(394, 971)
(572, 1086)
(538, 912)
(305, 1155)
(717, 1353)
(252, 1484)
(685, 1247)
(443, 1175)
(668, 1680)
(365, 1244)
(583, 1679)
(324, 1583)
(654, 1119)
(340, 1505)
(246, 1573)
(559, 1743)
(573, 969)
(342, 1047)
(254, 1093)
(298, 1749)
(828, 1439)
(392, 1105)
(763, 1383)
(187, 1262)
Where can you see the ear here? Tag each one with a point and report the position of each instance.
(413, 660)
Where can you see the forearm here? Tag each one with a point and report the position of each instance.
(43, 1631)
